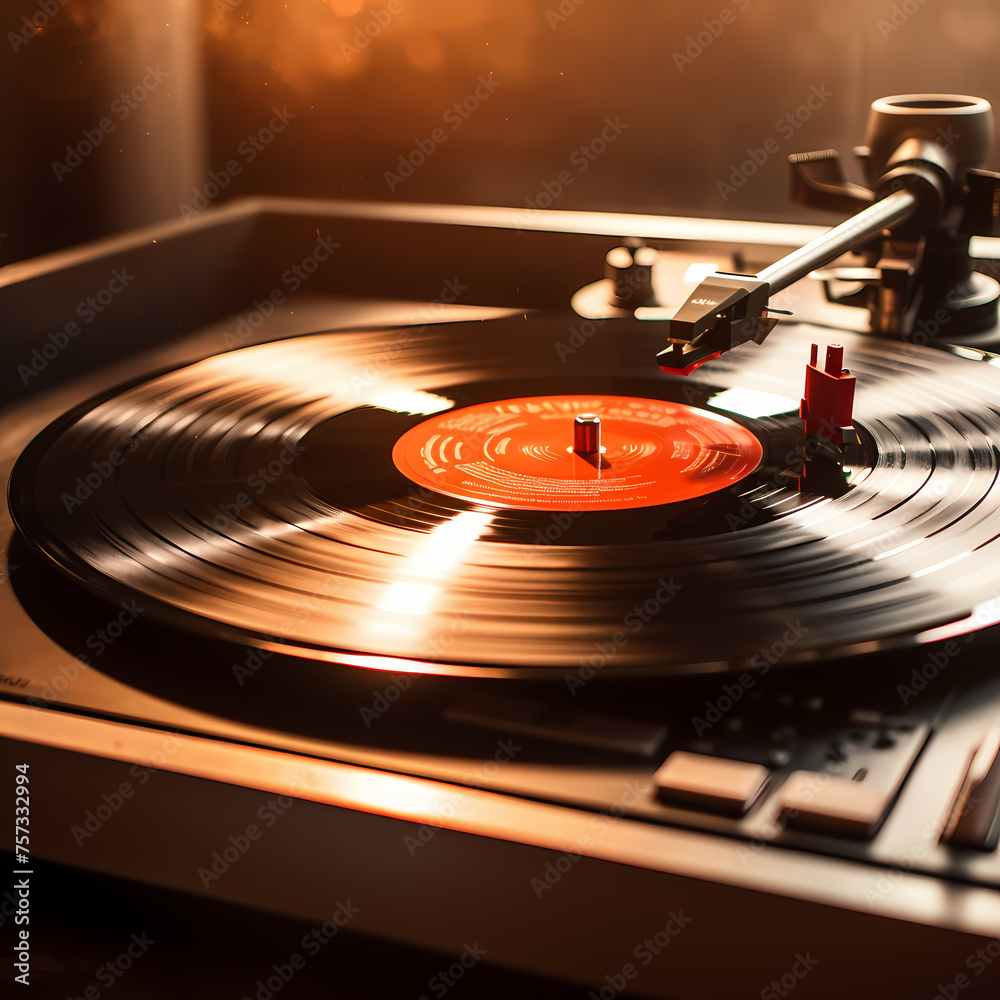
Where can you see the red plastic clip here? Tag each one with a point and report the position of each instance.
(828, 403)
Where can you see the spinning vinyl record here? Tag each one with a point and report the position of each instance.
(414, 500)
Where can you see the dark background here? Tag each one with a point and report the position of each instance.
(359, 108)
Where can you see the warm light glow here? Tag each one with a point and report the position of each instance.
(697, 273)
(306, 45)
(408, 598)
(441, 550)
(342, 376)
(446, 543)
(345, 8)
(416, 401)
(416, 800)
(752, 402)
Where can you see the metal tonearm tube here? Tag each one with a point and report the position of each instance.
(927, 197)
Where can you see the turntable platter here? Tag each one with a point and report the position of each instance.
(286, 496)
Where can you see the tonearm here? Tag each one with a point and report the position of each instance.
(927, 196)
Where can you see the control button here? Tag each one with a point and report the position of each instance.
(728, 786)
(584, 729)
(972, 818)
(828, 804)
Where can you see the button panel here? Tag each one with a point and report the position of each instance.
(727, 786)
(828, 804)
(863, 772)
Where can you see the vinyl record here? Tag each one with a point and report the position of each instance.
(411, 500)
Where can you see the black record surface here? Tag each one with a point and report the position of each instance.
(253, 496)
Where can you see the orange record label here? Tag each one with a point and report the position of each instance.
(519, 453)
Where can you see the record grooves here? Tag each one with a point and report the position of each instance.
(255, 497)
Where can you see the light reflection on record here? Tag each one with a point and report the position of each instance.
(257, 500)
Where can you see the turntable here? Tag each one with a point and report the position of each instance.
(603, 619)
